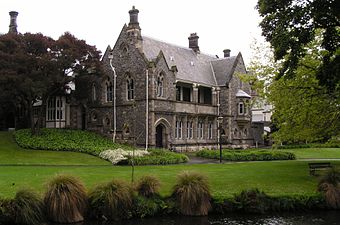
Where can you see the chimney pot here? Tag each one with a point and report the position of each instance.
(133, 16)
(193, 42)
(226, 53)
(13, 22)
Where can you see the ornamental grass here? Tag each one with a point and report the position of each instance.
(192, 194)
(111, 201)
(28, 208)
(65, 199)
(329, 186)
(148, 186)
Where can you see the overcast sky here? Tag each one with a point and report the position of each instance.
(220, 24)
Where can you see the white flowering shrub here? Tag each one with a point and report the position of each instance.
(117, 155)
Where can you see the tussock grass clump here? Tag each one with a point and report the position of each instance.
(111, 201)
(148, 186)
(7, 211)
(28, 208)
(329, 186)
(192, 194)
(65, 199)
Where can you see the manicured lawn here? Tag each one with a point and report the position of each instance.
(274, 178)
(316, 153)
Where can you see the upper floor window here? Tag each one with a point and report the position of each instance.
(204, 95)
(160, 85)
(94, 92)
(109, 91)
(183, 93)
(130, 88)
(241, 108)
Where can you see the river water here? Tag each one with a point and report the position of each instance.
(310, 218)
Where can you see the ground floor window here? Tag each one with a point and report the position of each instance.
(190, 130)
(178, 131)
(200, 130)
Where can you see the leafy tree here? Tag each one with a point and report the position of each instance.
(290, 25)
(34, 67)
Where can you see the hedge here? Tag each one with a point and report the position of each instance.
(247, 155)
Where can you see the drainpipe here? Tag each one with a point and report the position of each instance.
(147, 111)
(114, 99)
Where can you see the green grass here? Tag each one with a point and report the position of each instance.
(316, 153)
(11, 153)
(274, 178)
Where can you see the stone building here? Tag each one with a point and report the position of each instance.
(167, 96)
(170, 96)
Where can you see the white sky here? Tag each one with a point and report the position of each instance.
(220, 24)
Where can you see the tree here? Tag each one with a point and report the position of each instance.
(290, 25)
(33, 67)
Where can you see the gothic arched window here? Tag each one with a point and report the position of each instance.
(109, 91)
(130, 88)
(160, 85)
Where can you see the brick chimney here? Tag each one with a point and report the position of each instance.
(226, 53)
(193, 42)
(13, 22)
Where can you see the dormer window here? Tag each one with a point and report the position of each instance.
(241, 108)
(130, 89)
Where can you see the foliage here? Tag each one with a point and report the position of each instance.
(329, 186)
(34, 67)
(192, 194)
(28, 208)
(158, 157)
(311, 145)
(117, 155)
(146, 207)
(247, 155)
(252, 201)
(290, 26)
(112, 201)
(65, 140)
(148, 186)
(65, 199)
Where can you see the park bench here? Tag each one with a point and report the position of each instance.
(318, 166)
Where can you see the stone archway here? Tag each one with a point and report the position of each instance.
(160, 136)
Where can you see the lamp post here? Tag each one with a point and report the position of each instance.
(220, 120)
(114, 98)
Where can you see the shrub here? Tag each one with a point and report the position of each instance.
(117, 155)
(247, 155)
(28, 208)
(253, 201)
(158, 157)
(192, 194)
(144, 207)
(329, 186)
(112, 201)
(148, 186)
(65, 199)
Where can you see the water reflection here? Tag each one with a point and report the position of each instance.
(312, 218)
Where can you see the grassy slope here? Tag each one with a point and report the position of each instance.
(275, 178)
(10, 153)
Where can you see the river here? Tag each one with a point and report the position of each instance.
(310, 218)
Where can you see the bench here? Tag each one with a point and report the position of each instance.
(318, 166)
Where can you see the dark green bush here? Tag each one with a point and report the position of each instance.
(192, 194)
(253, 201)
(146, 207)
(28, 208)
(158, 157)
(65, 140)
(112, 201)
(247, 155)
(65, 199)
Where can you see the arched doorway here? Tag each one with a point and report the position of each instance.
(160, 135)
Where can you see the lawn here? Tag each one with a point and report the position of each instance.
(274, 178)
(315, 153)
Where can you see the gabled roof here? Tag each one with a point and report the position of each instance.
(192, 67)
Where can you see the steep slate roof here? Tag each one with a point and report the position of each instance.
(192, 67)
